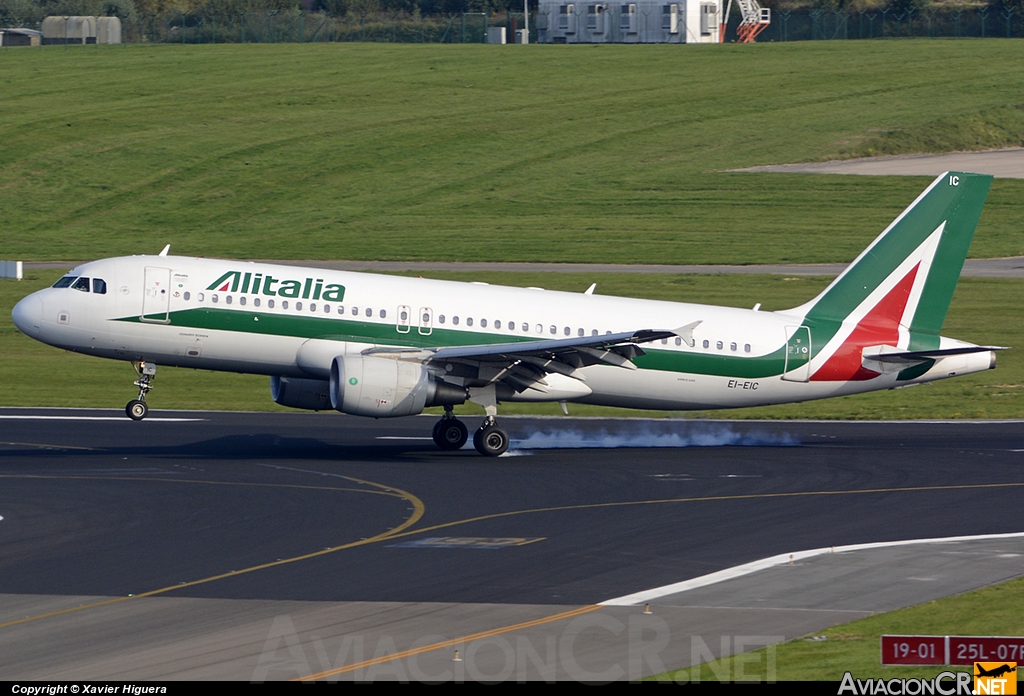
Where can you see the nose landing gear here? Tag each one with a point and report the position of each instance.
(137, 408)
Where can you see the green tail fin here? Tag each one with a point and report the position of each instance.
(914, 264)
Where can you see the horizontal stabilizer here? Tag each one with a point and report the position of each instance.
(888, 354)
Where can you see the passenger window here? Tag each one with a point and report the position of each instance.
(580, 332)
(270, 304)
(526, 327)
(82, 284)
(327, 309)
(355, 311)
(593, 332)
(732, 346)
(679, 341)
(718, 345)
(99, 286)
(298, 306)
(255, 302)
(202, 296)
(383, 314)
(746, 347)
(188, 296)
(455, 320)
(369, 312)
(497, 323)
(312, 306)
(284, 304)
(483, 323)
(707, 344)
(64, 282)
(553, 329)
(227, 299)
(567, 331)
(469, 320)
(241, 300)
(440, 318)
(214, 298)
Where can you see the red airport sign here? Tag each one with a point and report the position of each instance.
(965, 650)
(914, 650)
(951, 650)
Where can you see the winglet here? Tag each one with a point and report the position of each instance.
(164, 252)
(686, 332)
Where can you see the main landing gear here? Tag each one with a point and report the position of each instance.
(451, 434)
(137, 408)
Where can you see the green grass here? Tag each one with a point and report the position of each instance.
(984, 311)
(854, 647)
(440, 152)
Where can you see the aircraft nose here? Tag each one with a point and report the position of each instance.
(28, 314)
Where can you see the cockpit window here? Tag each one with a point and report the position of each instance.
(99, 286)
(65, 281)
(81, 284)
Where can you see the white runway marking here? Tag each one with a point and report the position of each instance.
(124, 419)
(782, 559)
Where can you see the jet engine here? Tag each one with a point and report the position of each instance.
(310, 394)
(385, 388)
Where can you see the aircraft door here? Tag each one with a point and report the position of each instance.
(426, 321)
(156, 297)
(798, 354)
(404, 319)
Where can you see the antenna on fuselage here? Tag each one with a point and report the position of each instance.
(590, 290)
(164, 252)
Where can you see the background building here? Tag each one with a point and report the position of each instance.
(645, 21)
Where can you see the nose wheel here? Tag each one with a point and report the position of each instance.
(137, 408)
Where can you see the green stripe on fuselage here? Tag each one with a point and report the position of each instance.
(337, 329)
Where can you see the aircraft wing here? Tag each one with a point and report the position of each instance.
(524, 365)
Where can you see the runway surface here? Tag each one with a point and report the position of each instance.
(226, 545)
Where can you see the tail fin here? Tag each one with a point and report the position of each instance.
(900, 287)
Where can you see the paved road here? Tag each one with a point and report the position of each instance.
(269, 546)
(1002, 164)
(1011, 267)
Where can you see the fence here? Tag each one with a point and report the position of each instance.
(939, 21)
(299, 26)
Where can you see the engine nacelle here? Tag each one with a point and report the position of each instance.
(386, 388)
(310, 394)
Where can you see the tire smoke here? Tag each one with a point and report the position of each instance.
(676, 434)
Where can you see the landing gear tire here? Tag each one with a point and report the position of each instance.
(450, 434)
(136, 410)
(490, 441)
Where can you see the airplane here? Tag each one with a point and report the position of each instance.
(381, 346)
(994, 672)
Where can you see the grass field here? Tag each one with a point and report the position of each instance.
(551, 153)
(439, 152)
(984, 311)
(854, 647)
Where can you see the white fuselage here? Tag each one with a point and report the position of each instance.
(290, 321)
